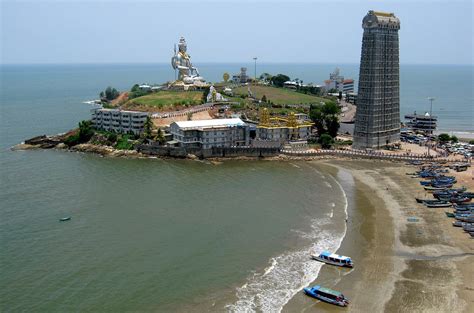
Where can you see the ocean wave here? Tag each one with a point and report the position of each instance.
(288, 273)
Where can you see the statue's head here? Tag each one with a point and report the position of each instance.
(182, 44)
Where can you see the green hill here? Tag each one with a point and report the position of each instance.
(165, 100)
(278, 95)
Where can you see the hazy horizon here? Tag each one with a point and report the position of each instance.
(301, 32)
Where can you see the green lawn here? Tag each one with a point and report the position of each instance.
(279, 95)
(166, 99)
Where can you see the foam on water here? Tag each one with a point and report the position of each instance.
(289, 272)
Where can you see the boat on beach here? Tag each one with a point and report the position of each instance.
(327, 295)
(333, 259)
(449, 214)
(439, 204)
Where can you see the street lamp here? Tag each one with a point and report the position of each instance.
(255, 60)
(430, 99)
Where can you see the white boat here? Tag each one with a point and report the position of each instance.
(333, 259)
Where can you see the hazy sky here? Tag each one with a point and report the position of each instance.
(227, 31)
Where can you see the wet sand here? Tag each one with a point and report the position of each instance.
(400, 266)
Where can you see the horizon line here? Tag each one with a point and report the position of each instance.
(219, 62)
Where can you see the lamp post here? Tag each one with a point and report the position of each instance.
(255, 68)
(430, 99)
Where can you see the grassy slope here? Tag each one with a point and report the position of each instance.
(166, 99)
(279, 95)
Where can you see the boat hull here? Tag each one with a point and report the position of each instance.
(308, 292)
(317, 258)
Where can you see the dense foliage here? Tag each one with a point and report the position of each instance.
(443, 138)
(279, 79)
(109, 94)
(84, 134)
(148, 128)
(326, 141)
(326, 117)
(136, 92)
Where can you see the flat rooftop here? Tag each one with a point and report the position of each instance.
(223, 122)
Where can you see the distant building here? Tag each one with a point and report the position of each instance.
(377, 121)
(242, 77)
(351, 97)
(421, 122)
(207, 134)
(337, 82)
(118, 121)
(347, 86)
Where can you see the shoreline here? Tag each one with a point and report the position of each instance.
(400, 266)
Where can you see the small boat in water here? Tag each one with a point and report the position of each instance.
(64, 219)
(327, 295)
(333, 259)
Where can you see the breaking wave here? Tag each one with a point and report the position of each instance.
(288, 273)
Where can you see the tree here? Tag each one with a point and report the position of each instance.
(326, 141)
(204, 94)
(454, 139)
(147, 128)
(111, 93)
(471, 142)
(279, 80)
(85, 131)
(135, 88)
(226, 77)
(265, 77)
(326, 117)
(443, 138)
(160, 136)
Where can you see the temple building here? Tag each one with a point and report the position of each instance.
(377, 121)
(282, 130)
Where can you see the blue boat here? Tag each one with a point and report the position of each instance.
(327, 295)
(333, 259)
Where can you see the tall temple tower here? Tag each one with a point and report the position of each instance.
(377, 121)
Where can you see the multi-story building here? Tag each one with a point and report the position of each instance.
(118, 121)
(377, 121)
(242, 77)
(207, 134)
(337, 82)
(347, 86)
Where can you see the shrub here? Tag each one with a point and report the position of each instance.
(112, 137)
(326, 141)
(123, 143)
(72, 140)
(444, 138)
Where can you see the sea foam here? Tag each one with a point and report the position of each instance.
(289, 272)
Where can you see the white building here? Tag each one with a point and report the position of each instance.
(338, 82)
(118, 121)
(207, 134)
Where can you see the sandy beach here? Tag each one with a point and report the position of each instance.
(401, 266)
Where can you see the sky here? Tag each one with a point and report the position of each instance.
(329, 31)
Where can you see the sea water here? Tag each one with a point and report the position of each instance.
(156, 235)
